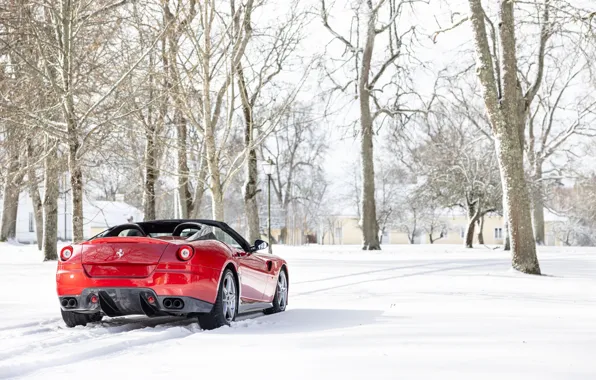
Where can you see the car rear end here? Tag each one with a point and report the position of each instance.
(134, 275)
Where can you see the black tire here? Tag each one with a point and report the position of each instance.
(279, 303)
(221, 315)
(73, 319)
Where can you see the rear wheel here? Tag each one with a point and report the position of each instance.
(280, 300)
(226, 305)
(73, 319)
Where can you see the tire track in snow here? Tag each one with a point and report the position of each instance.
(486, 263)
(49, 337)
(71, 352)
(21, 326)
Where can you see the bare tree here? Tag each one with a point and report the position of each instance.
(296, 147)
(33, 186)
(50, 200)
(12, 185)
(549, 134)
(71, 51)
(253, 79)
(219, 46)
(370, 66)
(507, 108)
(459, 171)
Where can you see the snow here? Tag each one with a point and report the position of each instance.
(408, 312)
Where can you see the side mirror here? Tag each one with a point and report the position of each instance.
(259, 245)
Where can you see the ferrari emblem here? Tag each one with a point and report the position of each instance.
(120, 253)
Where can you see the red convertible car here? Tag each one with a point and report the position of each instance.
(199, 268)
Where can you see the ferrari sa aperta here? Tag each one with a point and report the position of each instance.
(190, 268)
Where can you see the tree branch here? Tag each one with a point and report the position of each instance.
(325, 18)
(440, 31)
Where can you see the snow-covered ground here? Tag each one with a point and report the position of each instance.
(408, 312)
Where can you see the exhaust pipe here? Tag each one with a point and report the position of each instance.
(64, 302)
(173, 303)
(72, 303)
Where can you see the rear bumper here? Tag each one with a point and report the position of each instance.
(195, 281)
(115, 302)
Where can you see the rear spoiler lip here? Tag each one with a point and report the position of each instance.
(125, 239)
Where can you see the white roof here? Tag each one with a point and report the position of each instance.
(108, 213)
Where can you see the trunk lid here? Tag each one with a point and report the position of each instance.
(122, 256)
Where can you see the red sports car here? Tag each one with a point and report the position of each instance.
(188, 268)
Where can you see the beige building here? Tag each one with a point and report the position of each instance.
(344, 229)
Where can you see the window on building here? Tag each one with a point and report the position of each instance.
(31, 223)
(385, 236)
(498, 233)
(338, 235)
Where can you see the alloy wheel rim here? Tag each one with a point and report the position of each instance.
(229, 297)
(282, 290)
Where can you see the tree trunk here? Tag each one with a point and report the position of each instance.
(473, 215)
(217, 196)
(150, 174)
(12, 189)
(519, 218)
(469, 243)
(210, 120)
(34, 194)
(250, 197)
(538, 213)
(283, 235)
(510, 152)
(69, 114)
(10, 205)
(507, 245)
(538, 205)
(503, 109)
(481, 230)
(251, 207)
(76, 186)
(183, 184)
(200, 188)
(50, 202)
(506, 240)
(370, 229)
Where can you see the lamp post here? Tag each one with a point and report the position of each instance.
(268, 169)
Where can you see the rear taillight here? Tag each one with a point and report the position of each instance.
(185, 252)
(66, 253)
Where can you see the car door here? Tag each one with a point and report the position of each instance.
(252, 269)
(254, 272)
